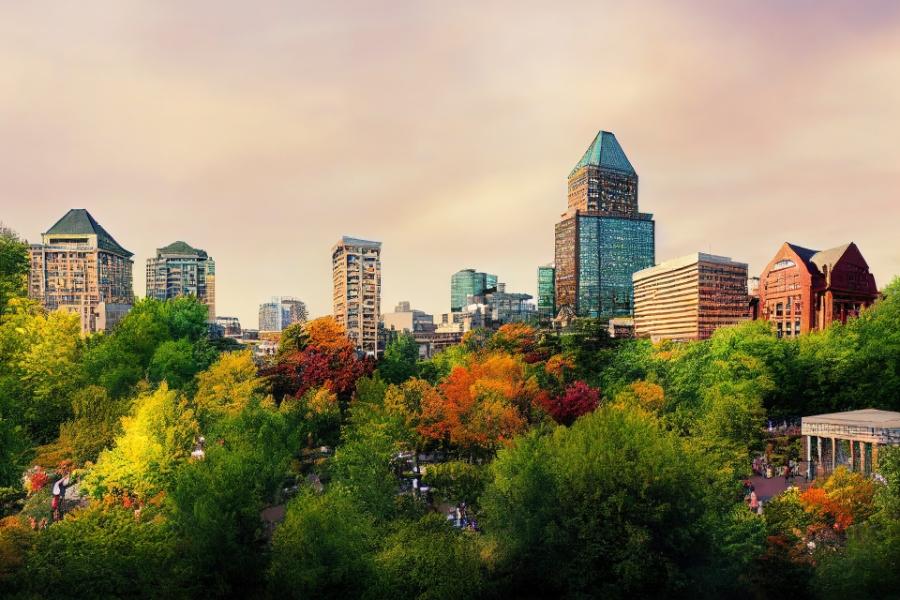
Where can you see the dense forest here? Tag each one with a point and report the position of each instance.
(571, 464)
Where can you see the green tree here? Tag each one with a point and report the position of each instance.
(427, 559)
(400, 357)
(96, 424)
(323, 549)
(105, 552)
(613, 506)
(13, 266)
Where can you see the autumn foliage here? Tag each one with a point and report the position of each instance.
(578, 399)
(328, 359)
(480, 405)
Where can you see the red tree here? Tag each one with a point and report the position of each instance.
(578, 399)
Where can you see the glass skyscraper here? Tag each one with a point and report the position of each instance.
(602, 239)
(546, 292)
(468, 282)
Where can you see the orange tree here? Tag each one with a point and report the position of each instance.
(481, 404)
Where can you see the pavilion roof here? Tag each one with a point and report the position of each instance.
(867, 417)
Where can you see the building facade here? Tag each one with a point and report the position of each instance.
(406, 318)
(280, 312)
(602, 239)
(469, 283)
(182, 270)
(688, 298)
(356, 277)
(803, 290)
(546, 290)
(78, 267)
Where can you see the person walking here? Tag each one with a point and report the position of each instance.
(754, 502)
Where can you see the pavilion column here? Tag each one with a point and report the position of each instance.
(819, 451)
(862, 458)
(809, 471)
(833, 455)
(852, 460)
(874, 456)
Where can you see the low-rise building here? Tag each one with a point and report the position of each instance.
(405, 318)
(688, 298)
(280, 312)
(803, 290)
(231, 326)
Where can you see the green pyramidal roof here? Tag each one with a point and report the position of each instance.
(180, 247)
(78, 221)
(606, 152)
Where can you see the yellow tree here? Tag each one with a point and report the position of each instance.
(156, 438)
(227, 386)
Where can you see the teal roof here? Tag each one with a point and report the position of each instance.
(605, 152)
(78, 221)
(180, 247)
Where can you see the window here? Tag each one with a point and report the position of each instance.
(783, 264)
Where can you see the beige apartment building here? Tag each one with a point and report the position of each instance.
(688, 298)
(80, 268)
(356, 275)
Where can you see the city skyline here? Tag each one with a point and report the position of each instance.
(267, 185)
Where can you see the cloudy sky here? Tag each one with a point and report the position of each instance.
(263, 131)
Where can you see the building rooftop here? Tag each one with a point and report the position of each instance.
(867, 417)
(605, 152)
(816, 260)
(78, 221)
(352, 241)
(182, 248)
(683, 261)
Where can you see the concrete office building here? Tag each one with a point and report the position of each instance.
(688, 298)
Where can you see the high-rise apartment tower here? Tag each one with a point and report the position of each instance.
(182, 270)
(356, 275)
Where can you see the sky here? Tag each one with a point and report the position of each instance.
(264, 131)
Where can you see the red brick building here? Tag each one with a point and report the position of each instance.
(803, 290)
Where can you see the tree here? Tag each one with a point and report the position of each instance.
(578, 399)
(96, 424)
(156, 438)
(227, 386)
(177, 362)
(400, 357)
(119, 360)
(105, 552)
(485, 404)
(325, 333)
(867, 566)
(13, 266)
(216, 505)
(644, 394)
(294, 338)
(613, 506)
(40, 353)
(362, 466)
(428, 559)
(323, 549)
